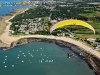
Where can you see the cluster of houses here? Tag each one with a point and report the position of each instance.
(31, 26)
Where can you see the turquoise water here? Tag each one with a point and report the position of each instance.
(40, 58)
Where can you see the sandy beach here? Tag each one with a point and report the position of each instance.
(9, 39)
(4, 24)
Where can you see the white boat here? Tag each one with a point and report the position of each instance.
(18, 57)
(5, 66)
(19, 51)
(41, 61)
(24, 55)
(12, 65)
(46, 61)
(5, 59)
(5, 56)
(22, 61)
(40, 48)
(4, 62)
(30, 62)
(28, 53)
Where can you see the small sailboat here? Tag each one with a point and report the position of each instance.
(41, 61)
(28, 53)
(6, 56)
(40, 48)
(18, 57)
(46, 61)
(30, 62)
(5, 66)
(12, 65)
(19, 51)
(5, 59)
(24, 55)
(22, 61)
(4, 62)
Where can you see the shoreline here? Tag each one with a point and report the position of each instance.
(6, 23)
(10, 40)
(3, 23)
(91, 60)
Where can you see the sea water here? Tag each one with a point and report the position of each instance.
(6, 7)
(39, 58)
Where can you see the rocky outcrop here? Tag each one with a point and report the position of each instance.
(92, 61)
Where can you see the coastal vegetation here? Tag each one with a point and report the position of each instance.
(39, 19)
(33, 21)
(45, 15)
